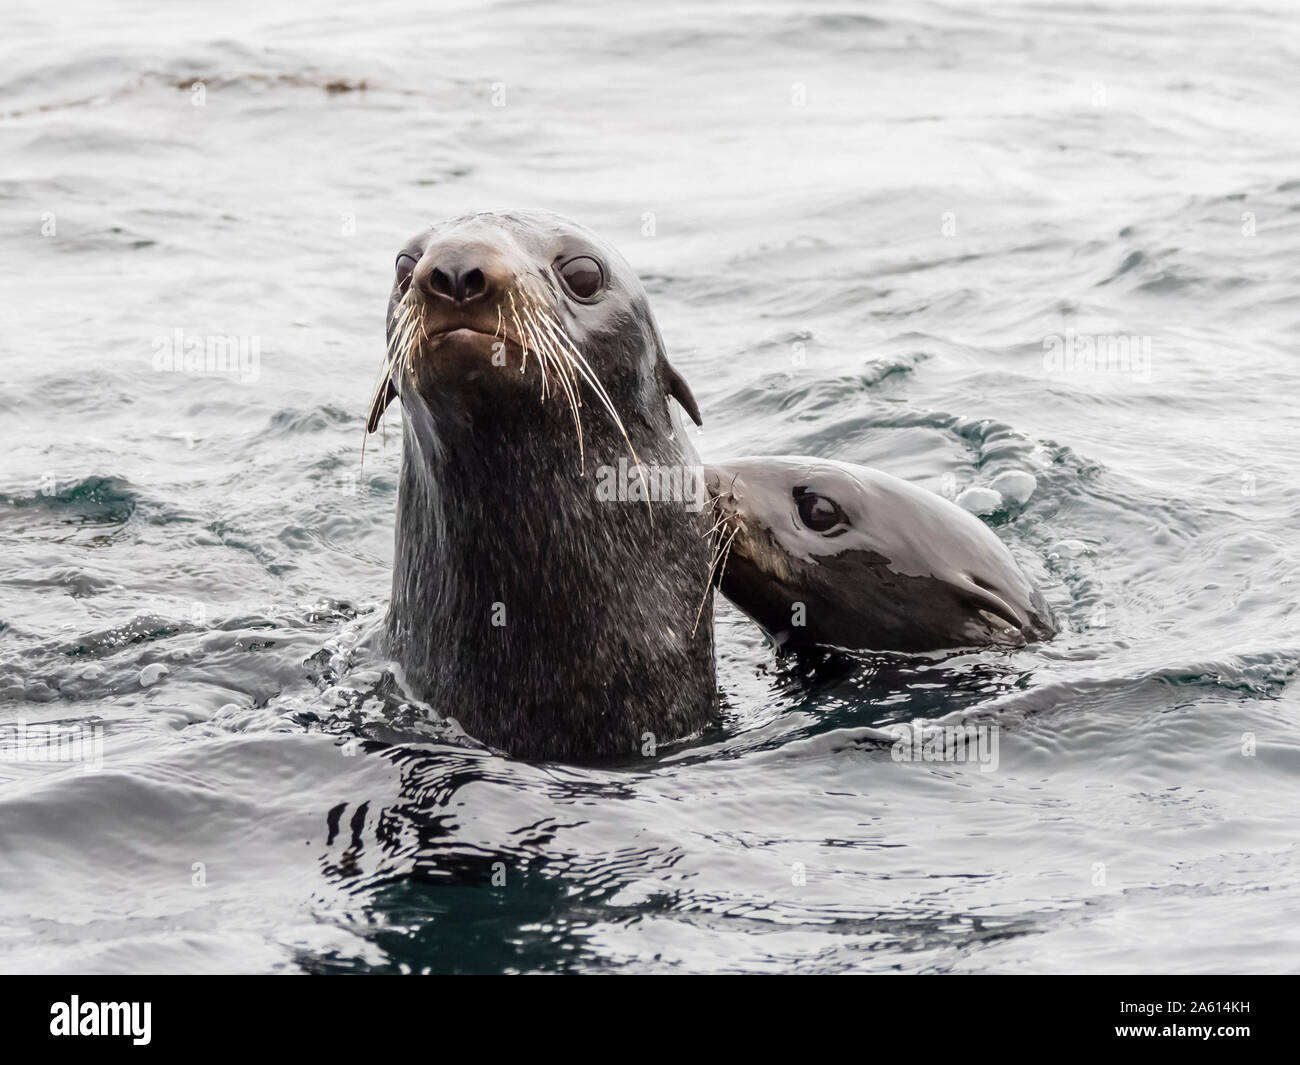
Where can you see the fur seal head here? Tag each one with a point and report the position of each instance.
(548, 619)
(830, 554)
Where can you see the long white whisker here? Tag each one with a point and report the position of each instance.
(583, 368)
(547, 345)
(721, 556)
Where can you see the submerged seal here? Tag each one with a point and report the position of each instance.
(828, 554)
(549, 619)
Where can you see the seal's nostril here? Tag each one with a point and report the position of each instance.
(457, 284)
(473, 285)
(441, 284)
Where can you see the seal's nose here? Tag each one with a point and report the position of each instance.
(458, 284)
(713, 480)
(721, 479)
(459, 272)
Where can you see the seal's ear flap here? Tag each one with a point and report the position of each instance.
(681, 391)
(379, 403)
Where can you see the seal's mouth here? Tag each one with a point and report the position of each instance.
(725, 491)
(467, 335)
(739, 533)
(462, 332)
(748, 566)
(518, 324)
(727, 525)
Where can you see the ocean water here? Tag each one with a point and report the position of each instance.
(886, 234)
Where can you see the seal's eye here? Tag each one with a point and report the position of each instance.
(820, 513)
(583, 276)
(405, 268)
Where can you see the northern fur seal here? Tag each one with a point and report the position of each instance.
(828, 554)
(547, 619)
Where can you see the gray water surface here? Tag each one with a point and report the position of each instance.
(860, 229)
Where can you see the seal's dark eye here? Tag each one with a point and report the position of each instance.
(583, 276)
(405, 267)
(819, 513)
